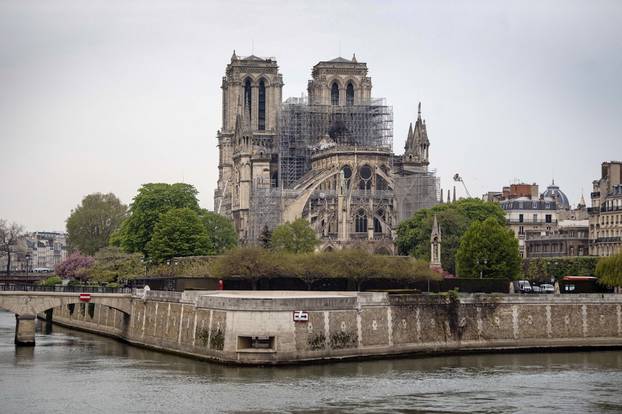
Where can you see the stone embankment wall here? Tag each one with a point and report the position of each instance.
(220, 327)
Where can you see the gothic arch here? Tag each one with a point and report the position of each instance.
(350, 94)
(335, 93)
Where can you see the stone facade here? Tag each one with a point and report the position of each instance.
(570, 238)
(327, 157)
(534, 216)
(258, 328)
(605, 215)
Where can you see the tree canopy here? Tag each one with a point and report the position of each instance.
(609, 270)
(178, 232)
(220, 232)
(490, 248)
(91, 223)
(413, 234)
(113, 265)
(151, 201)
(295, 237)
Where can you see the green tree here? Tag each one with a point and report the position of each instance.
(295, 237)
(490, 248)
(220, 232)
(91, 223)
(179, 232)
(114, 266)
(609, 270)
(151, 201)
(413, 234)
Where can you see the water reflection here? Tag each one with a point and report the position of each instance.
(75, 369)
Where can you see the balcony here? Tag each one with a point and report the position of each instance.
(530, 222)
(615, 239)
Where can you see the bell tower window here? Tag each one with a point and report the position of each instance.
(350, 94)
(247, 97)
(261, 118)
(334, 94)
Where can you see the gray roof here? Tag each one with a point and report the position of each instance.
(553, 191)
(340, 60)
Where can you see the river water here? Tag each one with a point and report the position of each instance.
(70, 371)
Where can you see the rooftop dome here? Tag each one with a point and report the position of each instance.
(553, 191)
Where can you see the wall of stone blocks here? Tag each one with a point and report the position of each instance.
(395, 326)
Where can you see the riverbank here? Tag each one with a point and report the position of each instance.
(73, 370)
(258, 328)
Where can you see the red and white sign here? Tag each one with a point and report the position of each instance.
(85, 297)
(301, 316)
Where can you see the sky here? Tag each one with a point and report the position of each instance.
(104, 96)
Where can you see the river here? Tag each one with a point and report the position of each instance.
(70, 371)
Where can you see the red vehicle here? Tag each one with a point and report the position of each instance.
(582, 284)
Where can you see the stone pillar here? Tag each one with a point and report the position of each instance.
(25, 330)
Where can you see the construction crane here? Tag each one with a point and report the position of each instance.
(458, 178)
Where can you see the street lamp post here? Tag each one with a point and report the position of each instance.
(27, 263)
(481, 268)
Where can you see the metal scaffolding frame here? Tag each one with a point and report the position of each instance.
(414, 192)
(303, 127)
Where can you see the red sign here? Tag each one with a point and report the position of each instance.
(85, 297)
(301, 316)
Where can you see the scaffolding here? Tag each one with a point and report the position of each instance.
(415, 192)
(302, 127)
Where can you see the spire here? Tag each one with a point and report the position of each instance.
(436, 231)
(234, 56)
(435, 246)
(453, 200)
(417, 143)
(582, 201)
(441, 196)
(354, 57)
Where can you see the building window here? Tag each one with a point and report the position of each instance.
(334, 94)
(548, 218)
(247, 97)
(360, 222)
(365, 172)
(535, 218)
(377, 226)
(520, 218)
(350, 94)
(261, 117)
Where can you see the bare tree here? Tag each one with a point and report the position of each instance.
(10, 235)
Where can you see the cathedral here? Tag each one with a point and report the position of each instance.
(326, 157)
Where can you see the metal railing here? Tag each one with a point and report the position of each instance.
(62, 289)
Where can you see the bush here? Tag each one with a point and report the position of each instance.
(357, 265)
(609, 270)
(51, 281)
(545, 269)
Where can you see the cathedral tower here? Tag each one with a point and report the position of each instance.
(339, 82)
(251, 100)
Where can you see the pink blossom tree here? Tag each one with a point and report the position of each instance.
(75, 266)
